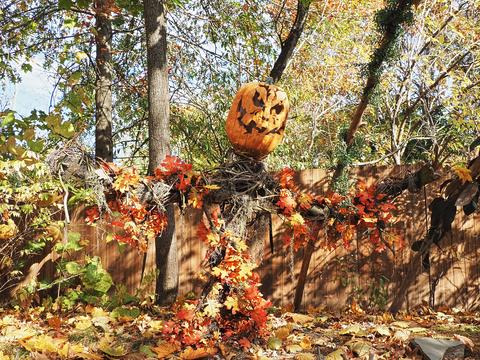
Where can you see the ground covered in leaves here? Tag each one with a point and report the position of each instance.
(131, 333)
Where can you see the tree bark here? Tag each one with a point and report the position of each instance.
(165, 251)
(103, 82)
(288, 46)
(157, 74)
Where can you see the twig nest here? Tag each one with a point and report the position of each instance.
(256, 121)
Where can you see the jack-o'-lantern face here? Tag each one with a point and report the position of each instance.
(256, 121)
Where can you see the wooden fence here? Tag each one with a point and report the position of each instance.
(335, 277)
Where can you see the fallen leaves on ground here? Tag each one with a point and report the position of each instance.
(131, 333)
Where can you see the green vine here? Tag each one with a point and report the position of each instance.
(389, 21)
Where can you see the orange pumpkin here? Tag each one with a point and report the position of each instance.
(256, 121)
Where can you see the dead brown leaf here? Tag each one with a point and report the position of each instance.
(300, 319)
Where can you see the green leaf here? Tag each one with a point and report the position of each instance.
(83, 4)
(73, 237)
(125, 312)
(274, 343)
(115, 351)
(121, 247)
(73, 268)
(35, 146)
(26, 67)
(95, 277)
(67, 130)
(147, 350)
(8, 119)
(65, 4)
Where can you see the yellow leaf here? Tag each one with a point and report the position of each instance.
(382, 330)
(240, 245)
(70, 350)
(219, 272)
(231, 303)
(417, 330)
(83, 324)
(3, 356)
(156, 325)
(212, 187)
(401, 324)
(464, 174)
(335, 355)
(29, 134)
(283, 332)
(42, 343)
(8, 230)
(294, 348)
(80, 55)
(306, 343)
(126, 180)
(245, 270)
(213, 238)
(297, 219)
(360, 348)
(212, 308)
(54, 232)
(353, 330)
(274, 343)
(109, 349)
(195, 199)
(12, 333)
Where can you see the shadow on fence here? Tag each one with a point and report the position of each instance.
(335, 277)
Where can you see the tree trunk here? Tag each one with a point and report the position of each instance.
(164, 254)
(157, 73)
(103, 82)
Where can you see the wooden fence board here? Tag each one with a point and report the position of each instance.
(459, 256)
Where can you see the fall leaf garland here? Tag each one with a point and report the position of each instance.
(233, 308)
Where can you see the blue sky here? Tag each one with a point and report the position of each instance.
(33, 92)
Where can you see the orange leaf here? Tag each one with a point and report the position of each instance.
(190, 353)
(245, 343)
(286, 178)
(464, 174)
(55, 322)
(165, 349)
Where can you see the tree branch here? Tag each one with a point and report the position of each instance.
(292, 39)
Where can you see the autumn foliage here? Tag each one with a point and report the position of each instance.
(231, 306)
(363, 213)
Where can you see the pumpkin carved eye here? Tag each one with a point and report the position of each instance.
(257, 118)
(278, 108)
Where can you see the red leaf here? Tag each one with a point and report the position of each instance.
(185, 314)
(286, 178)
(286, 202)
(184, 182)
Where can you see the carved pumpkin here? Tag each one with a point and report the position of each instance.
(256, 121)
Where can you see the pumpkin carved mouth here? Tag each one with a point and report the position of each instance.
(257, 119)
